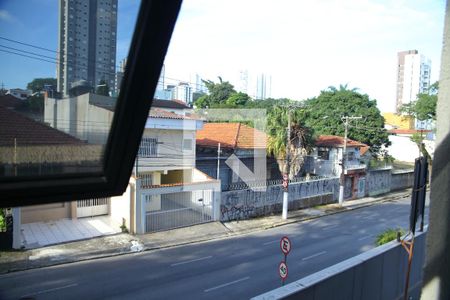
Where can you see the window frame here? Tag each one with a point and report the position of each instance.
(154, 26)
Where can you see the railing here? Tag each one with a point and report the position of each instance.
(269, 182)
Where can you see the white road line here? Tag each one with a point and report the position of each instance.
(190, 261)
(314, 255)
(365, 237)
(50, 290)
(226, 284)
(329, 226)
(272, 242)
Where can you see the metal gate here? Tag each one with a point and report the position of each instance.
(92, 207)
(168, 211)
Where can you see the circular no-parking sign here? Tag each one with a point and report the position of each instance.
(283, 270)
(285, 245)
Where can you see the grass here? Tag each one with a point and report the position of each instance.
(388, 235)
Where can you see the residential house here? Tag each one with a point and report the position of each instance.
(19, 93)
(165, 189)
(328, 155)
(247, 143)
(31, 148)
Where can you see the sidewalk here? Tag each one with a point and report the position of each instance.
(118, 244)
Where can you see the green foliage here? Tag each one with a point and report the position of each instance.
(218, 94)
(388, 235)
(424, 108)
(2, 220)
(38, 84)
(301, 138)
(102, 88)
(325, 112)
(34, 104)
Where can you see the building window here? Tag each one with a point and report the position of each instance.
(323, 153)
(187, 144)
(148, 147)
(350, 156)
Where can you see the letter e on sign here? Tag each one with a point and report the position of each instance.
(285, 245)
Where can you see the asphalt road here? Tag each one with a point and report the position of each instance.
(232, 268)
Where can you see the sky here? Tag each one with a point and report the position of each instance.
(305, 46)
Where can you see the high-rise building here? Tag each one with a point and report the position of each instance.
(263, 86)
(183, 91)
(87, 43)
(119, 76)
(413, 76)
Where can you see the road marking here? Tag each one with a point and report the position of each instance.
(272, 242)
(50, 290)
(329, 226)
(226, 284)
(190, 261)
(314, 255)
(365, 237)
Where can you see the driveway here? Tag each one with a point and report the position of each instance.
(39, 234)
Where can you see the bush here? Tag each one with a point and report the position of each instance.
(2, 220)
(388, 235)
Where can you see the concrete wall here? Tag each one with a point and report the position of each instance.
(46, 212)
(120, 208)
(402, 180)
(378, 182)
(376, 274)
(242, 204)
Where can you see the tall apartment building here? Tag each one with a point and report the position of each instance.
(413, 76)
(87, 42)
(263, 86)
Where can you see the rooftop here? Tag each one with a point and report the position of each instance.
(25, 131)
(231, 135)
(10, 101)
(337, 141)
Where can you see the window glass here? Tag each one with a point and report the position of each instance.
(59, 122)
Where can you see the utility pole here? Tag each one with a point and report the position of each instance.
(218, 162)
(286, 174)
(344, 156)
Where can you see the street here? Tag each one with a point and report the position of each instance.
(231, 268)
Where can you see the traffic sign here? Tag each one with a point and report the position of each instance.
(285, 245)
(283, 270)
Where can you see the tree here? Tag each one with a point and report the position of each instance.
(102, 88)
(325, 112)
(301, 138)
(238, 99)
(41, 84)
(218, 93)
(423, 109)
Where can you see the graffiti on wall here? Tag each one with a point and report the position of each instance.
(244, 204)
(379, 182)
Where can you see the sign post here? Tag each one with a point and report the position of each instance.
(285, 246)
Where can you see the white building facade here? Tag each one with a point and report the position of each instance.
(413, 76)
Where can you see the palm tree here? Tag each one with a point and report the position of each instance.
(301, 140)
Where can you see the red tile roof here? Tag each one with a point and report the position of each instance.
(29, 132)
(164, 114)
(177, 104)
(407, 131)
(10, 101)
(336, 141)
(231, 135)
